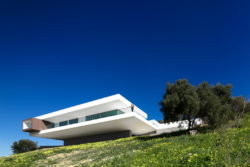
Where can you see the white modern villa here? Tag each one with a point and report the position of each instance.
(108, 118)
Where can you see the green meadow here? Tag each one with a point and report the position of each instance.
(222, 147)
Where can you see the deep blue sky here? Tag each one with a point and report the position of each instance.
(56, 54)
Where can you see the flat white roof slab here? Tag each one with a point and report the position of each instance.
(101, 105)
(128, 121)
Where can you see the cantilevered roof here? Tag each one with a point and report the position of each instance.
(101, 105)
(128, 121)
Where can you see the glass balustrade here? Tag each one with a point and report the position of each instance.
(86, 118)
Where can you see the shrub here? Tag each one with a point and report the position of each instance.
(23, 146)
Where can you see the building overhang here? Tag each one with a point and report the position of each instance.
(101, 105)
(128, 121)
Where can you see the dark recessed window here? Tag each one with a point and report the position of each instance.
(120, 112)
(103, 115)
(96, 116)
(111, 113)
(88, 118)
(63, 123)
(73, 121)
(51, 125)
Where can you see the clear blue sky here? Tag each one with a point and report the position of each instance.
(56, 54)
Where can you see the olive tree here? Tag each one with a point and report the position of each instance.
(180, 99)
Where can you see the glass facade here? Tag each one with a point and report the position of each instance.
(51, 125)
(87, 118)
(73, 121)
(63, 123)
(103, 115)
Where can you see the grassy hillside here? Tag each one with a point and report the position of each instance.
(229, 147)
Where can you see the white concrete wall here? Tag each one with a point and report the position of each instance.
(174, 126)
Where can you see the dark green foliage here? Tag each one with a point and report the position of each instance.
(212, 103)
(238, 104)
(239, 107)
(23, 146)
(224, 92)
(247, 109)
(209, 102)
(180, 99)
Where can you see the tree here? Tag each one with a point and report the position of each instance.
(224, 93)
(23, 146)
(215, 103)
(180, 99)
(239, 107)
(247, 109)
(207, 99)
(211, 103)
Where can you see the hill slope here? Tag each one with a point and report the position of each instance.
(228, 148)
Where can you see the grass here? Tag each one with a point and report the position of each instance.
(223, 147)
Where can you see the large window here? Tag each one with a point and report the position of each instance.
(88, 118)
(51, 125)
(73, 121)
(103, 115)
(63, 123)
